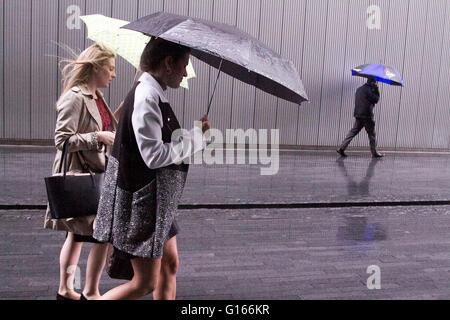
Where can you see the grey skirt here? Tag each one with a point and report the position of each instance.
(139, 223)
(124, 255)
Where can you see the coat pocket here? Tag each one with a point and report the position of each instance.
(143, 213)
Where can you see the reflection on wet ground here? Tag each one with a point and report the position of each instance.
(358, 229)
(303, 177)
(359, 232)
(357, 187)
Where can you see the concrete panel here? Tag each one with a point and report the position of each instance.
(71, 31)
(333, 72)
(412, 74)
(177, 97)
(324, 39)
(248, 13)
(387, 109)
(271, 28)
(376, 38)
(197, 95)
(441, 134)
(222, 104)
(312, 70)
(124, 10)
(103, 7)
(17, 69)
(425, 106)
(43, 65)
(375, 52)
(292, 49)
(355, 53)
(2, 54)
(148, 7)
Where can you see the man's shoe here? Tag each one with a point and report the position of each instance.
(377, 155)
(341, 152)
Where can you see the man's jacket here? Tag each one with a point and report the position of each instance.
(365, 99)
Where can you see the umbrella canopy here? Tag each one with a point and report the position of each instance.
(233, 51)
(380, 72)
(126, 43)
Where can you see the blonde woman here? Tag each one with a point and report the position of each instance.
(86, 122)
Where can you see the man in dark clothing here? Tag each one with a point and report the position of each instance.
(365, 99)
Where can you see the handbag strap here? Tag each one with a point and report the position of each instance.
(82, 161)
(84, 165)
(64, 160)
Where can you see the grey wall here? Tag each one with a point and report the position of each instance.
(324, 38)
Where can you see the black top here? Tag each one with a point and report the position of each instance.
(133, 172)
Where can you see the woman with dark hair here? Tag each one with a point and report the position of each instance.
(146, 176)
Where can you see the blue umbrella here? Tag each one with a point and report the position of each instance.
(380, 72)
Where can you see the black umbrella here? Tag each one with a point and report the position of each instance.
(230, 50)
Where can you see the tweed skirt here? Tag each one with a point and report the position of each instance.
(139, 223)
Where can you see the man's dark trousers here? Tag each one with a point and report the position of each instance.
(369, 125)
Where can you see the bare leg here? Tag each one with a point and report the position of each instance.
(146, 272)
(167, 283)
(95, 264)
(68, 260)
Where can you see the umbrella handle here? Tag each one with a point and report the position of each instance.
(214, 90)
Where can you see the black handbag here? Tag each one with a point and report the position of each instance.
(73, 195)
(118, 266)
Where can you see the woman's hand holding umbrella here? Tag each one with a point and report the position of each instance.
(205, 123)
(205, 126)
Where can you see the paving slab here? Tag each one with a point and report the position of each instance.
(266, 253)
(328, 260)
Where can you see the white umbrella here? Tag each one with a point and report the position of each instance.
(126, 43)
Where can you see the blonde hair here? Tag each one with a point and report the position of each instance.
(78, 71)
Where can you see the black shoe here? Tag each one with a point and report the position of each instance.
(341, 152)
(61, 298)
(377, 155)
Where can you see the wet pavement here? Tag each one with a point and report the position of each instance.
(266, 253)
(302, 177)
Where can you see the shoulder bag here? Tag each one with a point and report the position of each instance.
(73, 195)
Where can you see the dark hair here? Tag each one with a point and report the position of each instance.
(371, 79)
(157, 50)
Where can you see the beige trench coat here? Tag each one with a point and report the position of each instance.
(78, 120)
